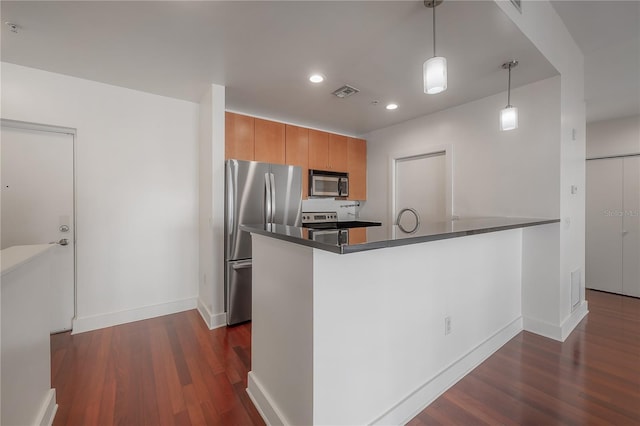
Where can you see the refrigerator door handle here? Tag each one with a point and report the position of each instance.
(273, 197)
(242, 265)
(267, 198)
(231, 197)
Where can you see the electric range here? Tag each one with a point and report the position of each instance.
(325, 227)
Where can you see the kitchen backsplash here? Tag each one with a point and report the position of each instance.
(347, 210)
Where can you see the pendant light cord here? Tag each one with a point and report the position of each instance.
(434, 28)
(509, 89)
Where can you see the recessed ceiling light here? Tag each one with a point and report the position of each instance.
(391, 106)
(316, 78)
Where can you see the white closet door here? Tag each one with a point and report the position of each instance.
(631, 227)
(604, 225)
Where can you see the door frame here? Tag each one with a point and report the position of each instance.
(26, 125)
(431, 150)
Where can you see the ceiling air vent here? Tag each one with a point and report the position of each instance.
(345, 91)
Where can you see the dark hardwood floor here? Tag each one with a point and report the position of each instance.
(173, 370)
(591, 378)
(170, 370)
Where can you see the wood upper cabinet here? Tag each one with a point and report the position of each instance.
(318, 150)
(357, 167)
(327, 151)
(337, 153)
(254, 139)
(269, 141)
(239, 139)
(297, 153)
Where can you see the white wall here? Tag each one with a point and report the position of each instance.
(613, 137)
(136, 193)
(494, 173)
(211, 193)
(385, 310)
(542, 25)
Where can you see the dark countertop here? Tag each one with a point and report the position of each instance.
(377, 238)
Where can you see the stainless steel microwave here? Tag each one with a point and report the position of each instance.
(328, 184)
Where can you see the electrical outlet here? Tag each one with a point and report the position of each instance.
(447, 325)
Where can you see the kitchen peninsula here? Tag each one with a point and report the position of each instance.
(373, 332)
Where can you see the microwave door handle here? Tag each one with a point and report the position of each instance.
(272, 182)
(267, 198)
(342, 186)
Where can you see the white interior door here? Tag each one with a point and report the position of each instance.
(631, 227)
(37, 206)
(604, 218)
(420, 190)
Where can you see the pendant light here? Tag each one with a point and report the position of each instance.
(434, 70)
(509, 115)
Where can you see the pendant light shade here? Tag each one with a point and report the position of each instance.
(509, 118)
(509, 115)
(435, 75)
(434, 70)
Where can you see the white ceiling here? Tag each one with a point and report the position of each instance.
(608, 33)
(263, 53)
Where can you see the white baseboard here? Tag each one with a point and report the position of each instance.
(543, 328)
(413, 404)
(574, 319)
(263, 402)
(419, 399)
(48, 410)
(212, 320)
(557, 332)
(95, 322)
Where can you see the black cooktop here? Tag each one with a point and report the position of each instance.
(341, 225)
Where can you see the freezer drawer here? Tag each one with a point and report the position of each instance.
(238, 291)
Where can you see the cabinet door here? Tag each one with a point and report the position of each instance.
(357, 168)
(269, 141)
(337, 153)
(318, 150)
(239, 136)
(604, 225)
(631, 227)
(297, 153)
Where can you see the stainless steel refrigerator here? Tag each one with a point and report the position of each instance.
(255, 193)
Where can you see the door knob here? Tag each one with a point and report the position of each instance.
(62, 242)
